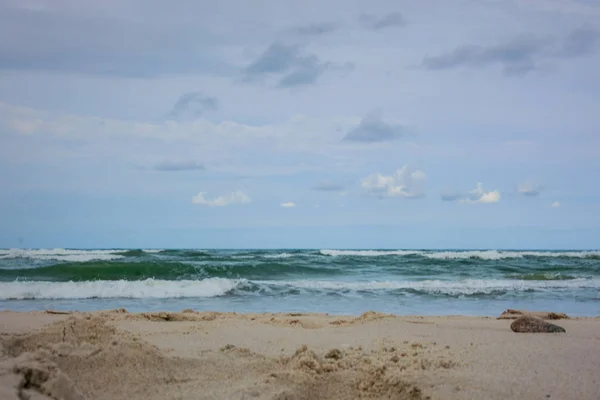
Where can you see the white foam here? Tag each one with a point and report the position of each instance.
(152, 251)
(149, 288)
(272, 256)
(464, 287)
(281, 255)
(499, 255)
(368, 253)
(63, 254)
(458, 255)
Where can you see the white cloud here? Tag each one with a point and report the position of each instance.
(403, 183)
(556, 204)
(529, 189)
(289, 204)
(237, 197)
(480, 196)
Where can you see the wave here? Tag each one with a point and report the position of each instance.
(280, 255)
(464, 254)
(369, 253)
(542, 277)
(149, 288)
(103, 270)
(214, 287)
(71, 255)
(453, 288)
(161, 269)
(183, 253)
(500, 255)
(62, 254)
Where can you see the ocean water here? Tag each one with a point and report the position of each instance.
(417, 282)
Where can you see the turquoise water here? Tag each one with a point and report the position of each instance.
(426, 282)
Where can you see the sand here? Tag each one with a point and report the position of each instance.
(190, 355)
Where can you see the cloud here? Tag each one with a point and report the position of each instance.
(403, 183)
(476, 196)
(580, 42)
(289, 204)
(296, 144)
(276, 58)
(306, 72)
(556, 204)
(327, 186)
(291, 66)
(451, 195)
(480, 196)
(237, 197)
(195, 103)
(373, 128)
(518, 55)
(394, 19)
(173, 166)
(530, 189)
(316, 29)
(108, 40)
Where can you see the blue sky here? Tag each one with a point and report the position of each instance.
(387, 124)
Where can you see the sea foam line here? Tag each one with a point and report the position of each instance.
(369, 253)
(68, 255)
(149, 288)
(458, 255)
(463, 287)
(213, 287)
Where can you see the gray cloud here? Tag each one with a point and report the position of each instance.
(316, 29)
(194, 103)
(81, 39)
(174, 166)
(277, 58)
(394, 19)
(327, 186)
(293, 67)
(450, 195)
(580, 42)
(373, 128)
(307, 71)
(516, 56)
(519, 55)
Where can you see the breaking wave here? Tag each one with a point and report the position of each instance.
(149, 288)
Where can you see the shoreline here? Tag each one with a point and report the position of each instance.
(212, 355)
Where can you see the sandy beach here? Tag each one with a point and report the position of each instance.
(192, 355)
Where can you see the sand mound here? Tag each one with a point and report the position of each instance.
(33, 375)
(87, 357)
(103, 362)
(344, 375)
(74, 331)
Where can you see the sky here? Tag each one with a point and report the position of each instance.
(286, 124)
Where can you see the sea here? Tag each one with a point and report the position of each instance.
(348, 282)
